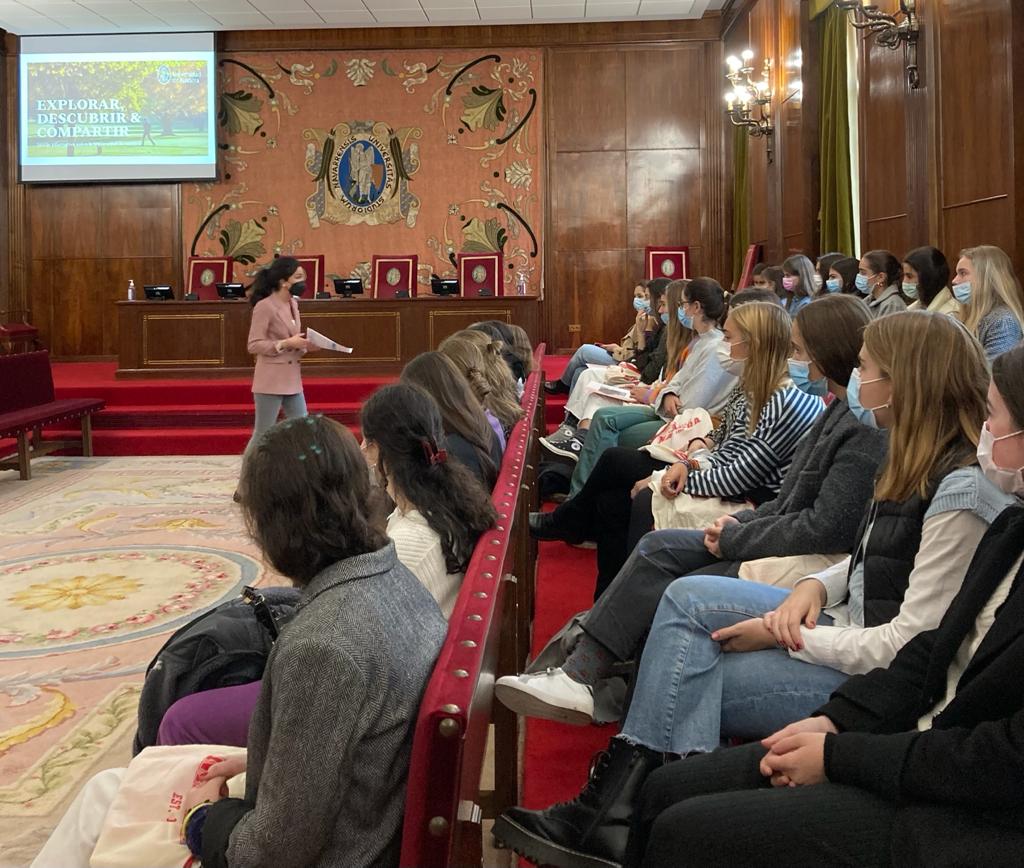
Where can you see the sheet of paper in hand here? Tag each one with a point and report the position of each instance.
(616, 393)
(324, 342)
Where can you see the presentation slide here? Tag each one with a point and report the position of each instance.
(118, 108)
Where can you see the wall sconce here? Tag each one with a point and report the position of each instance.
(748, 95)
(891, 31)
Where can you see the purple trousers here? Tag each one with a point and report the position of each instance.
(218, 716)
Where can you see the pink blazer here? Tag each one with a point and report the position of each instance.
(277, 373)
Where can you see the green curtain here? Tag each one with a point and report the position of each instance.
(819, 6)
(740, 202)
(834, 147)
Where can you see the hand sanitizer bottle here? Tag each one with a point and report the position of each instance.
(131, 290)
(520, 284)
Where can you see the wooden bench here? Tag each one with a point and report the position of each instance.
(488, 636)
(28, 404)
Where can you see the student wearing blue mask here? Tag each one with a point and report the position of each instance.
(727, 658)
(926, 281)
(990, 298)
(878, 278)
(842, 277)
(642, 334)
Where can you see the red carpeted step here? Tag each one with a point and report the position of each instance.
(214, 416)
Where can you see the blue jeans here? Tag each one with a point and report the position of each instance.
(605, 427)
(269, 407)
(690, 694)
(588, 354)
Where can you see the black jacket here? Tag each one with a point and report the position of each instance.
(959, 786)
(650, 366)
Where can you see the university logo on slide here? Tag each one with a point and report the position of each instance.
(362, 171)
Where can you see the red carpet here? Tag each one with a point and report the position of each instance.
(557, 756)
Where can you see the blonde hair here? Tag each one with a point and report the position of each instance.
(501, 397)
(767, 329)
(678, 335)
(994, 283)
(939, 377)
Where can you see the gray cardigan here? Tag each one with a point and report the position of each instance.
(823, 495)
(330, 737)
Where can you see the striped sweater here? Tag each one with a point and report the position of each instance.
(745, 462)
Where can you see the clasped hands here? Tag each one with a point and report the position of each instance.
(796, 753)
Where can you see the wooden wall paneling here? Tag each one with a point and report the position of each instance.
(977, 198)
(666, 199)
(714, 255)
(16, 239)
(766, 227)
(884, 184)
(665, 108)
(587, 100)
(140, 220)
(588, 200)
(612, 33)
(66, 221)
(595, 295)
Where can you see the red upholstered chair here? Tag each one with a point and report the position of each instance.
(17, 334)
(205, 272)
(313, 265)
(394, 276)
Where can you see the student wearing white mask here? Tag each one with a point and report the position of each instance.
(926, 281)
(990, 297)
(1001, 445)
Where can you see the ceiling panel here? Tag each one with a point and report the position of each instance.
(31, 17)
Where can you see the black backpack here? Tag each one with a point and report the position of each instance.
(224, 647)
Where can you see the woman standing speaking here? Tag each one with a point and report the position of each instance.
(276, 339)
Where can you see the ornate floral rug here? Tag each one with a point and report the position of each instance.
(100, 559)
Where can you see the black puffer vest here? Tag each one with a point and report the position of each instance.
(889, 553)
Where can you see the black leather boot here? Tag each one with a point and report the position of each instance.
(592, 830)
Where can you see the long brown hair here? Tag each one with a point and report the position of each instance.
(939, 377)
(1008, 375)
(833, 332)
(678, 335)
(501, 399)
(461, 412)
(307, 500)
(767, 329)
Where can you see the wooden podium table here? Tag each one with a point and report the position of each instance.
(208, 338)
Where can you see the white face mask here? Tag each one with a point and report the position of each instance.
(725, 359)
(1008, 481)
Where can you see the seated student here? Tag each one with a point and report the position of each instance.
(878, 277)
(474, 353)
(440, 511)
(648, 361)
(672, 339)
(499, 332)
(712, 667)
(922, 753)
(328, 748)
(771, 278)
(798, 282)
(748, 465)
(842, 276)
(521, 346)
(822, 266)
(818, 510)
(699, 381)
(926, 281)
(471, 434)
(645, 325)
(991, 299)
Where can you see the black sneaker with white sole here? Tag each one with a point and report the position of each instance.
(567, 447)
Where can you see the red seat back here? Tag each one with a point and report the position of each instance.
(455, 714)
(27, 380)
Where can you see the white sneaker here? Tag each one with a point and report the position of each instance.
(551, 695)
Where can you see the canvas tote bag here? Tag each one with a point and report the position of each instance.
(143, 825)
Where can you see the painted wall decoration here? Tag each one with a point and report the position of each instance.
(388, 153)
